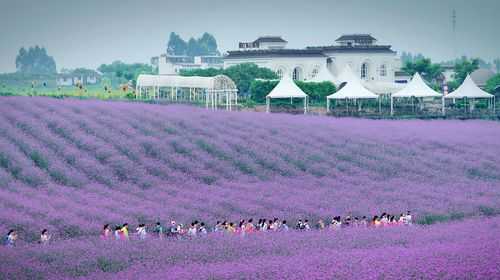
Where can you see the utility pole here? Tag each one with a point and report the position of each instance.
(454, 29)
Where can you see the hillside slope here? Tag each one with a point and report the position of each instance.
(73, 165)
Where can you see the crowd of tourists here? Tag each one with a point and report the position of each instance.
(243, 227)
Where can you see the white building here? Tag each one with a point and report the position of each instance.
(78, 77)
(172, 65)
(375, 64)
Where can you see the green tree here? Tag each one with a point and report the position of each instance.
(242, 74)
(462, 68)
(317, 91)
(260, 89)
(208, 44)
(209, 72)
(125, 72)
(35, 60)
(205, 45)
(176, 45)
(431, 72)
(493, 85)
(193, 48)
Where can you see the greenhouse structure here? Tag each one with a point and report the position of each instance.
(214, 92)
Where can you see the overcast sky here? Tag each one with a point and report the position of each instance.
(91, 32)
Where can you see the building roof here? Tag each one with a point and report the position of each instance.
(481, 76)
(217, 82)
(356, 37)
(270, 39)
(356, 48)
(274, 52)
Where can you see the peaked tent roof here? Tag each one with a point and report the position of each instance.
(380, 87)
(470, 90)
(352, 89)
(324, 75)
(417, 88)
(286, 88)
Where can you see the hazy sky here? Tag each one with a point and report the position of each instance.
(91, 32)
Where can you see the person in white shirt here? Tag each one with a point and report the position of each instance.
(408, 218)
(202, 230)
(284, 226)
(192, 231)
(141, 231)
(45, 237)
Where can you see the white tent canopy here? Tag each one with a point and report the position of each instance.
(416, 88)
(352, 89)
(286, 88)
(213, 91)
(470, 90)
(380, 87)
(324, 75)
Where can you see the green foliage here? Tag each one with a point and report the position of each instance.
(127, 72)
(259, 90)
(462, 67)
(205, 45)
(428, 70)
(109, 265)
(209, 72)
(493, 85)
(317, 91)
(409, 57)
(242, 74)
(35, 60)
(176, 46)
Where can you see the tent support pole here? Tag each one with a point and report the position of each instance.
(392, 105)
(443, 109)
(305, 105)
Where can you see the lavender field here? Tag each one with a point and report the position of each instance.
(71, 166)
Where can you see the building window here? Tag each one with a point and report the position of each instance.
(383, 70)
(364, 71)
(315, 72)
(279, 73)
(297, 74)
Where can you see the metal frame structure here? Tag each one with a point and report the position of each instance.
(214, 92)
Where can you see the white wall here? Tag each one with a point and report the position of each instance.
(339, 60)
(374, 61)
(286, 64)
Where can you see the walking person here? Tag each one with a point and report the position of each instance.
(11, 238)
(45, 237)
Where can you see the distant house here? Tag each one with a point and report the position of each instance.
(481, 76)
(78, 76)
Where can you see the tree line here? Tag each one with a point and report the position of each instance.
(205, 45)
